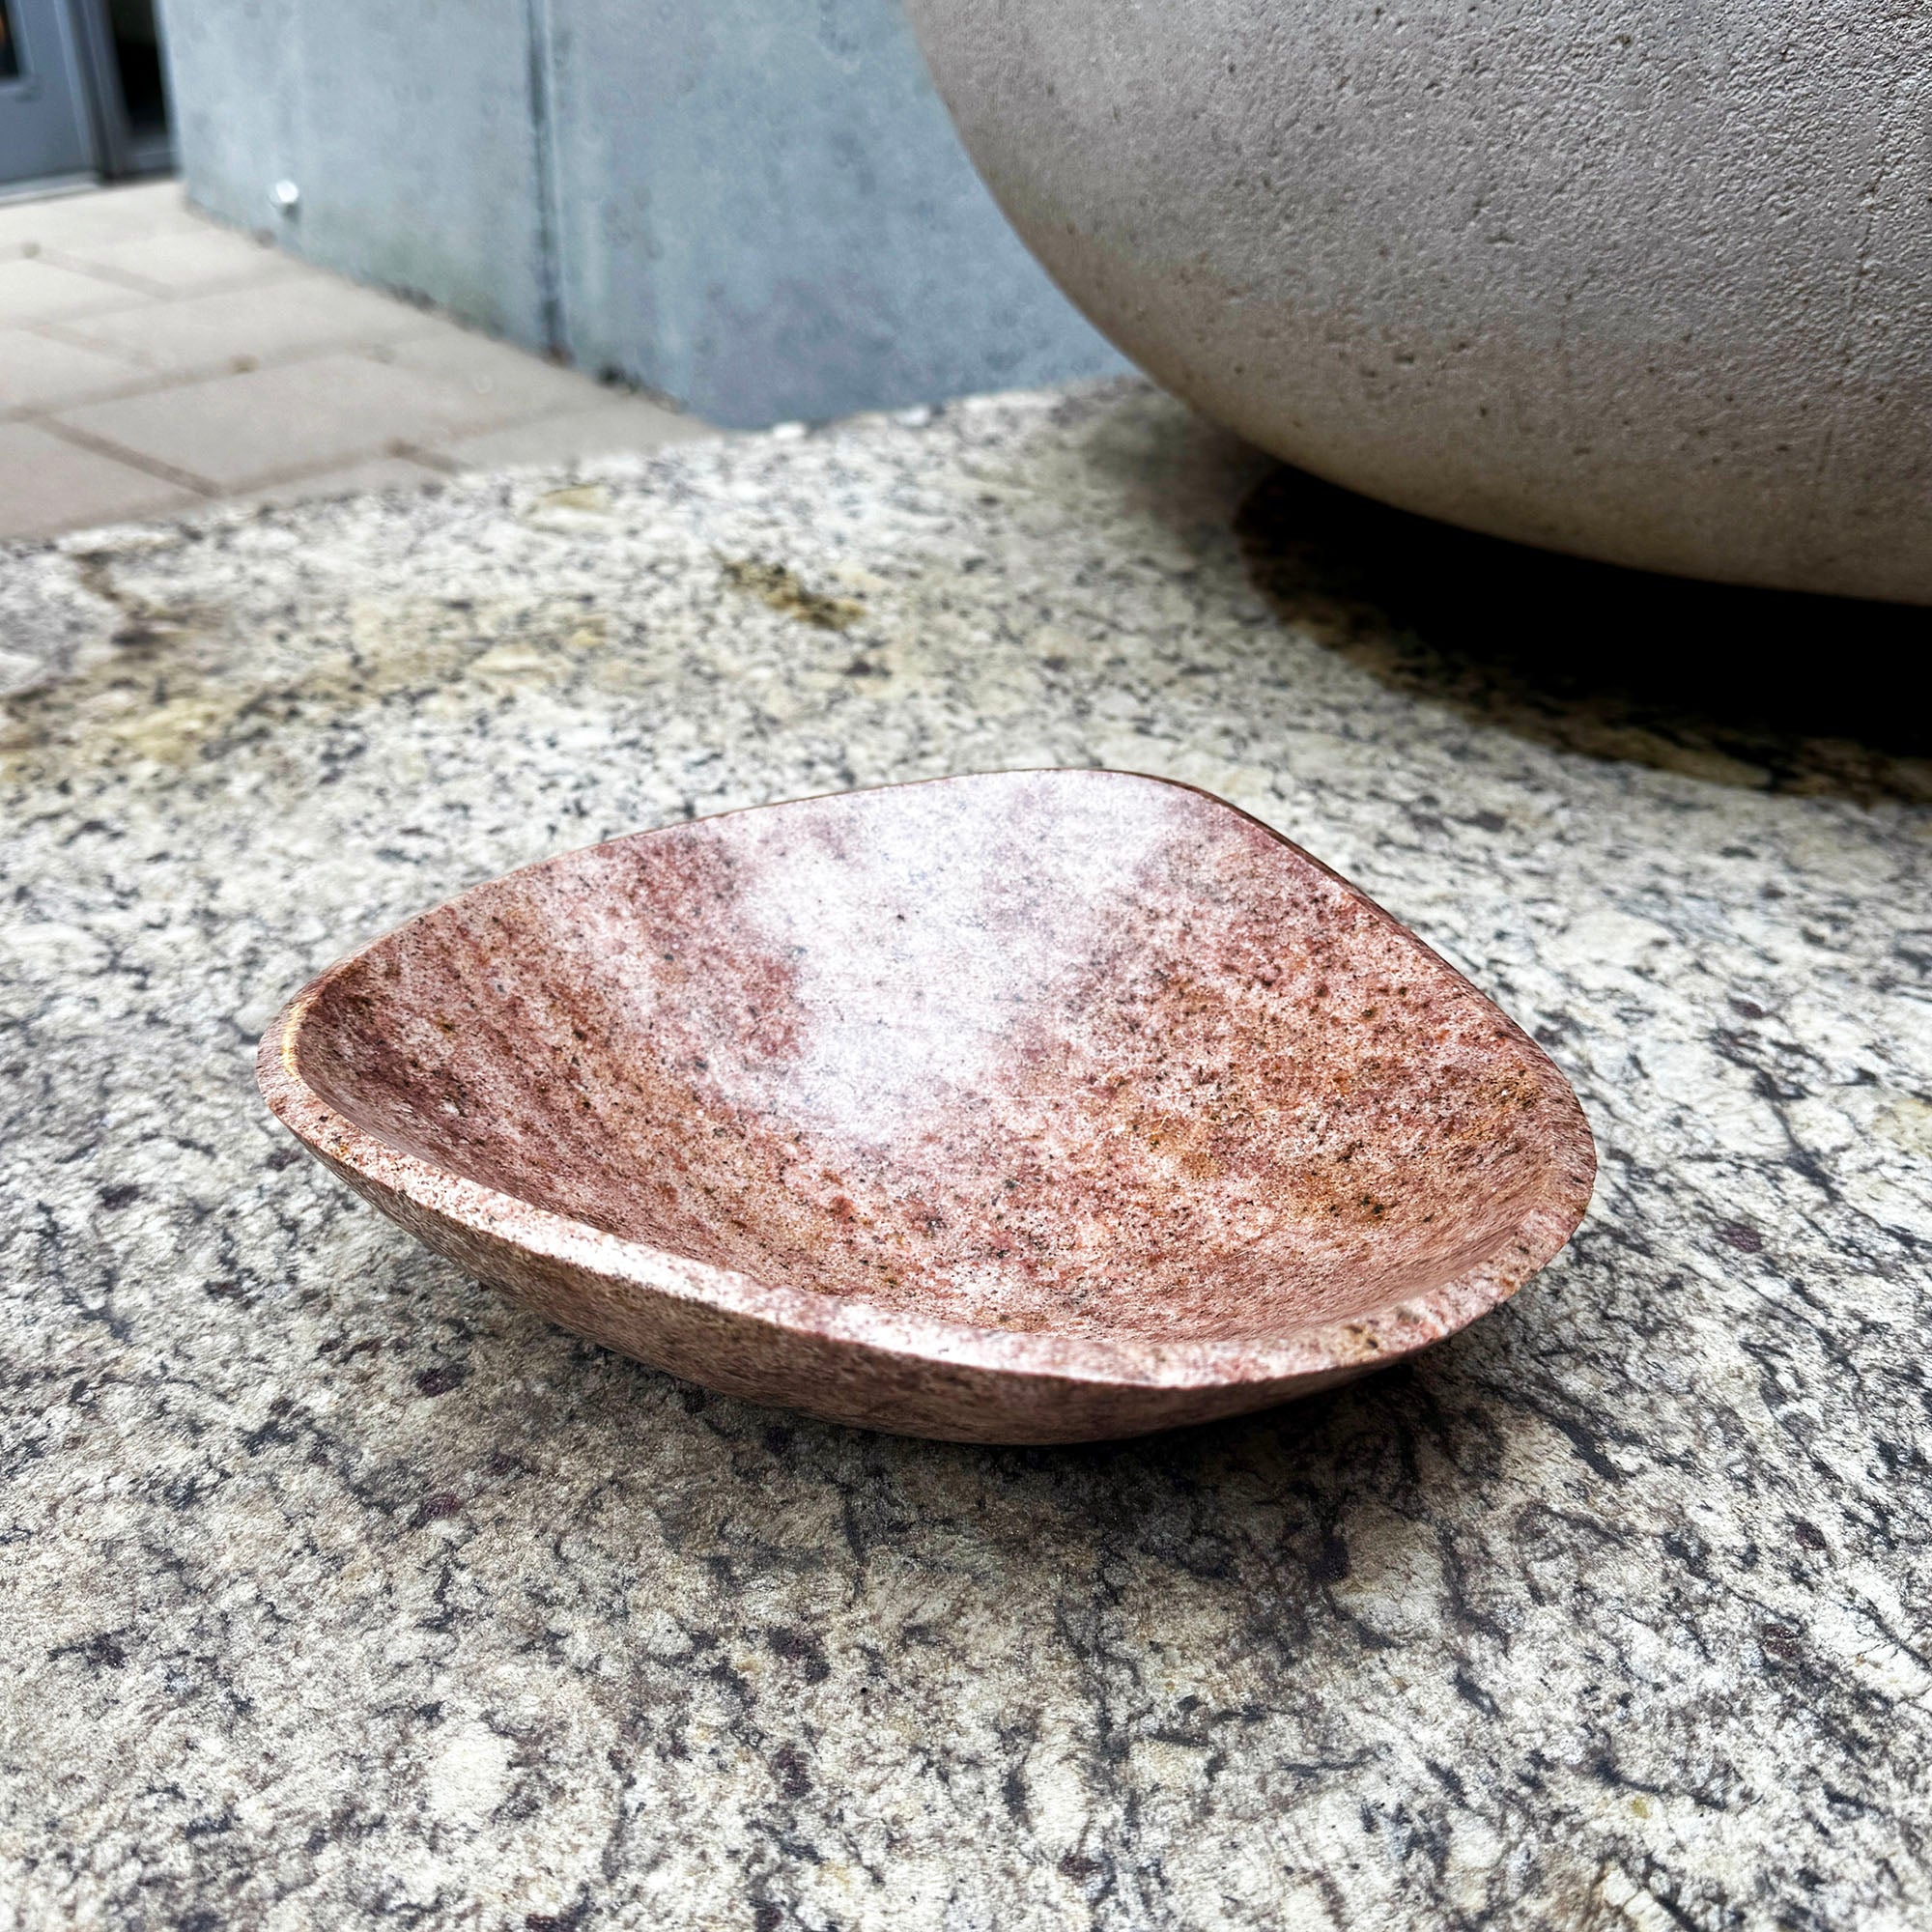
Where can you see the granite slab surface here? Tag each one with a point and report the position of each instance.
(338, 1592)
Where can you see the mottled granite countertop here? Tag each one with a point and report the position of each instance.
(336, 1591)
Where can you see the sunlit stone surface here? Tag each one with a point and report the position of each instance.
(335, 1588)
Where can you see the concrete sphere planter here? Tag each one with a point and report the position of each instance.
(1640, 282)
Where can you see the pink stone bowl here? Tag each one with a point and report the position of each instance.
(1029, 1107)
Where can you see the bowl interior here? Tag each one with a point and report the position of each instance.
(1078, 1051)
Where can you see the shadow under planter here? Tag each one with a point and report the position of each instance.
(1776, 691)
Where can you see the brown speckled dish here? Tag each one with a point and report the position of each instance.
(1032, 1107)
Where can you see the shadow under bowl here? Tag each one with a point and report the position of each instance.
(1026, 1107)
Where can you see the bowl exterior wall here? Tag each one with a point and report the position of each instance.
(1639, 283)
(832, 1377)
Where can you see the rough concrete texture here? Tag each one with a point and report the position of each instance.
(339, 1592)
(1638, 282)
(753, 208)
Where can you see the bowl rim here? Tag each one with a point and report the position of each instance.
(1381, 1334)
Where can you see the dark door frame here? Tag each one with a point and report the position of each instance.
(120, 152)
(114, 149)
(47, 127)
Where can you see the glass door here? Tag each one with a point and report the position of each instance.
(45, 130)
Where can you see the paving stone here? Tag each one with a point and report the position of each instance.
(381, 472)
(32, 290)
(48, 485)
(40, 372)
(165, 342)
(241, 432)
(183, 260)
(264, 321)
(614, 429)
(100, 215)
(508, 377)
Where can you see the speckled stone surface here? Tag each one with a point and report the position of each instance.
(339, 1592)
(1026, 1107)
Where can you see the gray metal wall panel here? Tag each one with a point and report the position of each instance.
(766, 213)
(757, 207)
(236, 101)
(407, 129)
(420, 155)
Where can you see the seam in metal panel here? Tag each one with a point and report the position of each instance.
(550, 277)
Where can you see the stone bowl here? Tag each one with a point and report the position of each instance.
(1642, 282)
(1032, 1107)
